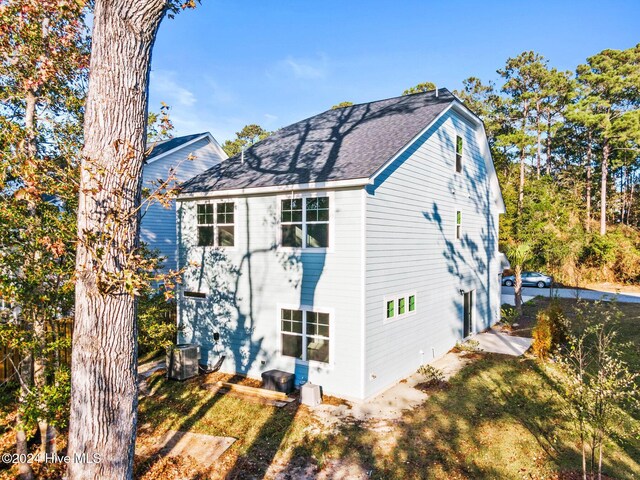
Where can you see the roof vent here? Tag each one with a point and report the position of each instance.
(436, 90)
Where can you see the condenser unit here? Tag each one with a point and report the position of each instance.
(182, 361)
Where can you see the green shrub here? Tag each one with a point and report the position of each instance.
(433, 376)
(156, 323)
(508, 315)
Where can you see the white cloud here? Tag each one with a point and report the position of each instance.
(167, 87)
(270, 118)
(303, 68)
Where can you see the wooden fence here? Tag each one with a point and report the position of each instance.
(10, 359)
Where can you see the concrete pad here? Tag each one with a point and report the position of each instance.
(205, 449)
(495, 342)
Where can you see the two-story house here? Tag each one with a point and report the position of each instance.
(349, 248)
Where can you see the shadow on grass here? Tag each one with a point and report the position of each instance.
(501, 417)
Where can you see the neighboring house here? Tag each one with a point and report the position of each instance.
(188, 156)
(349, 248)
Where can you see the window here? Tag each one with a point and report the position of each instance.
(391, 309)
(458, 225)
(195, 294)
(224, 219)
(458, 154)
(399, 306)
(216, 230)
(305, 222)
(305, 335)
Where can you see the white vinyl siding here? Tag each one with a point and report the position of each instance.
(411, 225)
(249, 285)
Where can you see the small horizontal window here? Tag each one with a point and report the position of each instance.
(195, 294)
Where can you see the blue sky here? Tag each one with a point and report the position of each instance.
(273, 62)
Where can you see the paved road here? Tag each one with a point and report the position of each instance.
(529, 292)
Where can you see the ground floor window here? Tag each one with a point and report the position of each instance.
(399, 306)
(305, 334)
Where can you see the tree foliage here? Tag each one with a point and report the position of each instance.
(566, 145)
(246, 137)
(342, 105)
(420, 88)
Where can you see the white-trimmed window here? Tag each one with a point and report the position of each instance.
(216, 226)
(399, 306)
(458, 225)
(458, 154)
(305, 222)
(305, 335)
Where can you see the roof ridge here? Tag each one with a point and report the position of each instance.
(389, 98)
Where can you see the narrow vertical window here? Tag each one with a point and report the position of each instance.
(291, 327)
(391, 309)
(291, 221)
(317, 217)
(206, 227)
(224, 220)
(458, 154)
(401, 306)
(412, 303)
(317, 337)
(458, 225)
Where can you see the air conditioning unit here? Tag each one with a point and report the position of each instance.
(182, 361)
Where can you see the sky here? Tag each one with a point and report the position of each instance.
(229, 63)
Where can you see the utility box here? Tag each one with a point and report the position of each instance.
(278, 381)
(310, 395)
(182, 361)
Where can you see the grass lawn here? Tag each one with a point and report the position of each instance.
(500, 418)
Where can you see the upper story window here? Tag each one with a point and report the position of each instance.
(458, 225)
(458, 153)
(305, 222)
(216, 230)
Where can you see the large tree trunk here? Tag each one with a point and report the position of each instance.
(603, 187)
(588, 186)
(538, 142)
(30, 150)
(548, 141)
(103, 379)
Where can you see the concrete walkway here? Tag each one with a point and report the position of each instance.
(390, 404)
(494, 342)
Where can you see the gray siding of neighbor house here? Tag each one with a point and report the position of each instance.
(411, 246)
(248, 284)
(158, 226)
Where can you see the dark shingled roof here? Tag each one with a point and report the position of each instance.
(167, 145)
(342, 144)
